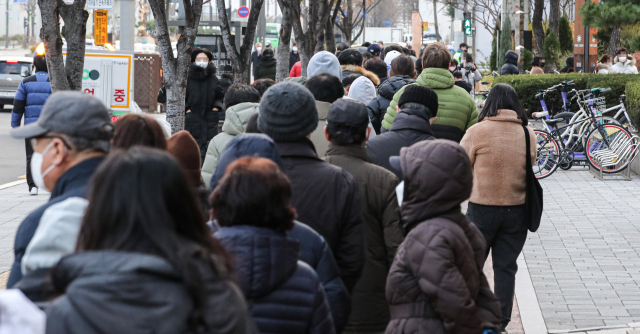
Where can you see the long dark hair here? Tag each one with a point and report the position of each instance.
(502, 96)
(141, 201)
(135, 129)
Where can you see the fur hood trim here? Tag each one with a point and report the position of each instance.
(372, 76)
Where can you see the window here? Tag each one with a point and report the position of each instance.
(11, 67)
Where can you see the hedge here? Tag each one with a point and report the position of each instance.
(528, 85)
(633, 103)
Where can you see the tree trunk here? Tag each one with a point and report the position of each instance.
(74, 31)
(554, 16)
(330, 36)
(615, 40)
(538, 30)
(435, 20)
(175, 70)
(282, 67)
(50, 36)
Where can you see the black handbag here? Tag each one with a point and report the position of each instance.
(533, 199)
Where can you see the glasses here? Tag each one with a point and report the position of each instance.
(34, 141)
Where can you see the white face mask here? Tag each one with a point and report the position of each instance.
(295, 49)
(400, 193)
(202, 64)
(622, 58)
(451, 68)
(36, 168)
(259, 49)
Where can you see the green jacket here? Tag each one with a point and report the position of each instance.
(235, 122)
(455, 106)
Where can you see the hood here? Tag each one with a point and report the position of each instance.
(264, 259)
(237, 117)
(324, 62)
(630, 58)
(392, 85)
(359, 69)
(108, 287)
(244, 145)
(437, 178)
(602, 66)
(363, 90)
(197, 72)
(511, 57)
(436, 78)
(268, 61)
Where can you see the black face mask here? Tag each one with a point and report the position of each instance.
(541, 64)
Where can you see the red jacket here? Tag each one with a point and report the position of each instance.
(296, 70)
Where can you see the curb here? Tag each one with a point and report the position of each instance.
(530, 312)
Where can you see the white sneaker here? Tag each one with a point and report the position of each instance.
(34, 191)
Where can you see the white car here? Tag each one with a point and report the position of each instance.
(12, 71)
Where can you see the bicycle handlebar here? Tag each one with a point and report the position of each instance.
(604, 90)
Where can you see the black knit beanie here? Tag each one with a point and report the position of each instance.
(422, 95)
(287, 112)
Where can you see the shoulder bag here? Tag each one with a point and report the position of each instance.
(533, 199)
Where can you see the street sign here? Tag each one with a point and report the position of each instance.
(243, 12)
(100, 18)
(20, 1)
(387, 23)
(425, 26)
(99, 4)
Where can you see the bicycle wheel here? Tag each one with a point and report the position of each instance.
(609, 147)
(548, 154)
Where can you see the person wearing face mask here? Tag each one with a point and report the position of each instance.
(536, 65)
(69, 140)
(623, 63)
(294, 56)
(256, 56)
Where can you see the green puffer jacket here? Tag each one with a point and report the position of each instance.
(235, 123)
(456, 110)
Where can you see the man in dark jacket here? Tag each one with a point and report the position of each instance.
(314, 250)
(510, 63)
(294, 56)
(325, 197)
(457, 76)
(568, 68)
(417, 105)
(32, 93)
(256, 55)
(71, 137)
(347, 130)
(267, 67)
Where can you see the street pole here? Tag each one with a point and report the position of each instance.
(6, 40)
(127, 24)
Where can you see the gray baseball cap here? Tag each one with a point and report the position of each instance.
(71, 113)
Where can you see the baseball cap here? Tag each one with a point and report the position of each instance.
(389, 57)
(374, 49)
(348, 113)
(71, 113)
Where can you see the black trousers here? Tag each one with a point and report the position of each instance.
(29, 150)
(505, 233)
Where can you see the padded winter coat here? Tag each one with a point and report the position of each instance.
(628, 67)
(32, 93)
(235, 122)
(436, 284)
(284, 294)
(456, 109)
(118, 292)
(378, 106)
(327, 199)
(510, 63)
(383, 235)
(353, 69)
(266, 69)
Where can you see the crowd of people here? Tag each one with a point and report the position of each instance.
(331, 206)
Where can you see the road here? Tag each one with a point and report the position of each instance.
(12, 163)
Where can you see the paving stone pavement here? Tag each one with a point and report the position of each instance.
(15, 205)
(584, 260)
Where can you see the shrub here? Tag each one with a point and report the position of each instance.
(552, 49)
(528, 85)
(505, 41)
(633, 103)
(493, 58)
(565, 36)
(527, 58)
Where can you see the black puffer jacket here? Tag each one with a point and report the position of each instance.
(409, 127)
(378, 106)
(118, 292)
(203, 94)
(510, 63)
(436, 284)
(266, 69)
(327, 199)
(285, 295)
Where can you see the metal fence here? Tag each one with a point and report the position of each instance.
(147, 80)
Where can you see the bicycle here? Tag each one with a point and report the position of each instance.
(621, 116)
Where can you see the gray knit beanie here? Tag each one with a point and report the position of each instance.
(287, 112)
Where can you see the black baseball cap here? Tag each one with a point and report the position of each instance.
(348, 113)
(374, 49)
(71, 113)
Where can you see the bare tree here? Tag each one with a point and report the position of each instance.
(554, 16)
(64, 75)
(486, 13)
(538, 29)
(329, 33)
(282, 66)
(386, 10)
(175, 70)
(316, 19)
(240, 60)
(352, 14)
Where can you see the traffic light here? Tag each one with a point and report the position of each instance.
(466, 24)
(26, 22)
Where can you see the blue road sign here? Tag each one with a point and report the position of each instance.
(243, 12)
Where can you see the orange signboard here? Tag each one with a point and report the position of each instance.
(100, 20)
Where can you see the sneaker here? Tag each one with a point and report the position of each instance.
(33, 191)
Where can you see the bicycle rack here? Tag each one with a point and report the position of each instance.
(618, 152)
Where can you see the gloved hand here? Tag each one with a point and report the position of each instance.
(489, 331)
